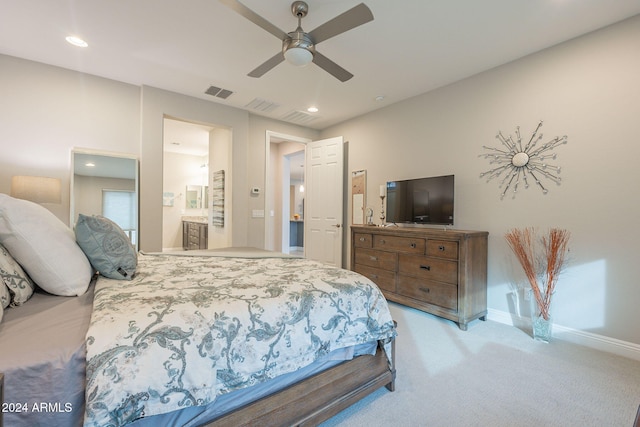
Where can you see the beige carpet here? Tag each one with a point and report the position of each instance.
(496, 375)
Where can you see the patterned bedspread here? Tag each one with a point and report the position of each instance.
(187, 329)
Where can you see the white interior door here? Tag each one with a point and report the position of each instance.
(323, 210)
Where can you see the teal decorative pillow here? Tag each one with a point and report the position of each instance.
(16, 280)
(108, 248)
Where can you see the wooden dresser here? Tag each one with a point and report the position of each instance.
(443, 272)
(195, 235)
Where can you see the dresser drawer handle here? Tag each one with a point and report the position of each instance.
(382, 241)
(375, 276)
(362, 239)
(441, 248)
(425, 290)
(413, 245)
(425, 267)
(373, 258)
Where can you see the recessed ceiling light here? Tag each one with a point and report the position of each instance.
(76, 41)
(312, 109)
(380, 98)
(89, 165)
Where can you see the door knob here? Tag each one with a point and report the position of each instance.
(338, 225)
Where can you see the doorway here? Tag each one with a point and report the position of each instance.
(193, 155)
(293, 191)
(284, 168)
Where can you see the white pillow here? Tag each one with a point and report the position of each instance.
(44, 246)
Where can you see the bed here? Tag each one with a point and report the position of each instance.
(232, 337)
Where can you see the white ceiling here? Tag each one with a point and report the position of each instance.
(106, 166)
(411, 47)
(186, 138)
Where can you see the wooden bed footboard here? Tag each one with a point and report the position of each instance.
(313, 400)
(317, 398)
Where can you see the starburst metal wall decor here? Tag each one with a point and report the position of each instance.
(518, 162)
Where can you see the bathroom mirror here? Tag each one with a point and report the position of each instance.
(197, 197)
(193, 197)
(105, 184)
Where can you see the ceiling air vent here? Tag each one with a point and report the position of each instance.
(218, 92)
(298, 117)
(262, 105)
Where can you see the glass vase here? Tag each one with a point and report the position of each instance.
(542, 328)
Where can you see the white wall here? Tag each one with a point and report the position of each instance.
(588, 89)
(220, 159)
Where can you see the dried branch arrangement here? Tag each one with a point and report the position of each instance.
(549, 264)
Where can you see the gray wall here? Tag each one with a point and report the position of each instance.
(587, 89)
(46, 111)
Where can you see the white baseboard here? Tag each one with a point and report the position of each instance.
(173, 249)
(576, 336)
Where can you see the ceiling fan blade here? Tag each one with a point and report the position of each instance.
(331, 67)
(352, 18)
(267, 65)
(255, 18)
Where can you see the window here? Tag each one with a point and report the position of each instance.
(120, 207)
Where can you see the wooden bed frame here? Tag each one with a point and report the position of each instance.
(313, 400)
(317, 398)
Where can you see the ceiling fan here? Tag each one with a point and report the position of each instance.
(299, 47)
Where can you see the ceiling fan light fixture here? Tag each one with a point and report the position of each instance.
(298, 47)
(298, 56)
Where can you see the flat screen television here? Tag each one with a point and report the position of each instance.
(421, 201)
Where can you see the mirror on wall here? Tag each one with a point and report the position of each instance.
(197, 197)
(106, 184)
(193, 199)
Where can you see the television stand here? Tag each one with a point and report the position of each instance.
(442, 272)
